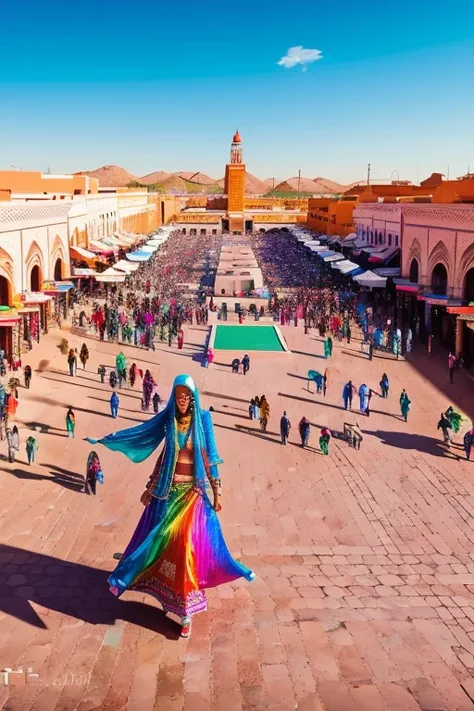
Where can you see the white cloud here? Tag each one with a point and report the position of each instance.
(300, 55)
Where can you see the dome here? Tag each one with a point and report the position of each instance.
(237, 138)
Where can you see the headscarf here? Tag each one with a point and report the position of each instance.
(137, 443)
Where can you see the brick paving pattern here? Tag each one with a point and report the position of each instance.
(364, 596)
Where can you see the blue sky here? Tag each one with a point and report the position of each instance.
(163, 86)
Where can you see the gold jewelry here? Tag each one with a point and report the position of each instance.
(184, 423)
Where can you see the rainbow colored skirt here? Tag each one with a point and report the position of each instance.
(176, 552)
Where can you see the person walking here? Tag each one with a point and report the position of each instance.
(252, 409)
(72, 362)
(84, 355)
(363, 398)
(246, 363)
(325, 381)
(445, 425)
(102, 373)
(324, 438)
(27, 375)
(405, 404)
(264, 413)
(285, 427)
(451, 366)
(31, 447)
(114, 404)
(468, 442)
(180, 339)
(304, 428)
(384, 385)
(347, 393)
(70, 422)
(156, 402)
(235, 365)
(348, 334)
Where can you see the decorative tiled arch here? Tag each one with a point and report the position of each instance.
(57, 252)
(34, 258)
(6, 271)
(440, 255)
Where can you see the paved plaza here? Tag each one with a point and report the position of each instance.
(364, 595)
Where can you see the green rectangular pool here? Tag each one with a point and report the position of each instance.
(247, 338)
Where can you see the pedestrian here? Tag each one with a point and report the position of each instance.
(256, 415)
(235, 365)
(132, 375)
(304, 428)
(114, 404)
(468, 442)
(324, 438)
(430, 343)
(156, 402)
(405, 404)
(121, 368)
(451, 366)
(180, 339)
(347, 393)
(285, 427)
(363, 398)
(72, 362)
(31, 447)
(384, 385)
(252, 409)
(27, 375)
(147, 389)
(454, 418)
(246, 363)
(70, 422)
(445, 425)
(102, 372)
(348, 334)
(113, 379)
(84, 355)
(264, 413)
(94, 474)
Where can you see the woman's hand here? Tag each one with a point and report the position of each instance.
(145, 497)
(217, 506)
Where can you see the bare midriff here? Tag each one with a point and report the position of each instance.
(184, 472)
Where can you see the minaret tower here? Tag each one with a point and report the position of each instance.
(235, 184)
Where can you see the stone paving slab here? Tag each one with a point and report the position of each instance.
(364, 596)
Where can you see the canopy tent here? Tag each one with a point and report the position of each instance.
(316, 247)
(350, 238)
(335, 239)
(151, 248)
(366, 250)
(383, 256)
(139, 256)
(124, 239)
(391, 272)
(111, 275)
(347, 267)
(335, 257)
(371, 280)
(98, 246)
(127, 267)
(84, 254)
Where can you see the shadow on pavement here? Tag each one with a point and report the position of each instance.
(226, 397)
(251, 432)
(232, 414)
(72, 589)
(311, 355)
(408, 440)
(67, 480)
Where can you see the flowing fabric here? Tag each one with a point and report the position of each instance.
(364, 397)
(178, 548)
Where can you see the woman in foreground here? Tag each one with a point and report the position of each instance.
(178, 548)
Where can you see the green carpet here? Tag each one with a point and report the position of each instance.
(247, 338)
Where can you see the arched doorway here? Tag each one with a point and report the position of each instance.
(58, 269)
(5, 291)
(469, 286)
(35, 278)
(414, 270)
(439, 280)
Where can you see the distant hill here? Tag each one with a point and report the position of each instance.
(175, 183)
(196, 177)
(110, 176)
(331, 185)
(157, 177)
(308, 185)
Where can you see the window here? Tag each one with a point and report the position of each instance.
(389, 239)
(193, 231)
(183, 231)
(396, 240)
(203, 231)
(214, 233)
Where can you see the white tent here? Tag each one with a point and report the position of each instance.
(371, 280)
(345, 266)
(334, 257)
(127, 267)
(111, 275)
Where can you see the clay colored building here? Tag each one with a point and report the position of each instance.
(25, 185)
(437, 264)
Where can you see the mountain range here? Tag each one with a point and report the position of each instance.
(196, 182)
